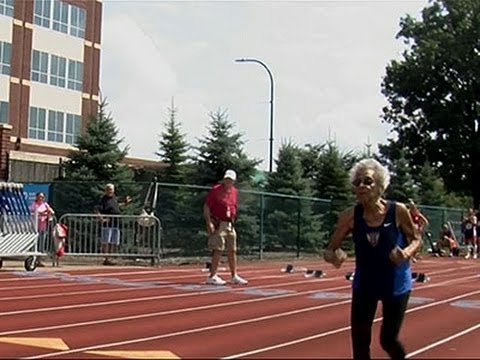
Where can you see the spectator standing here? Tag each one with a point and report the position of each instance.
(219, 212)
(43, 212)
(110, 237)
(469, 227)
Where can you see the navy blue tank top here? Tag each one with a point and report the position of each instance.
(375, 273)
(470, 231)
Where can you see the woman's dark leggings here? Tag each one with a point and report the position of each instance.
(363, 310)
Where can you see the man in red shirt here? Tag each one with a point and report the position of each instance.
(219, 211)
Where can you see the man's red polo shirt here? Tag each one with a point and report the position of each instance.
(222, 203)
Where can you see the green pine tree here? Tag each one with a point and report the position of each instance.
(402, 185)
(173, 149)
(288, 178)
(174, 201)
(331, 182)
(290, 220)
(97, 160)
(431, 187)
(332, 179)
(220, 150)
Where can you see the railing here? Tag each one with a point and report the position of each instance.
(139, 235)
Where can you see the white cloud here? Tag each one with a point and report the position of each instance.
(327, 59)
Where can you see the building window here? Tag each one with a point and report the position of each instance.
(41, 13)
(75, 75)
(3, 112)
(40, 66)
(60, 16)
(58, 71)
(5, 57)
(72, 128)
(36, 123)
(6, 7)
(55, 126)
(78, 17)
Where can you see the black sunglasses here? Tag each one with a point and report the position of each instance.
(367, 181)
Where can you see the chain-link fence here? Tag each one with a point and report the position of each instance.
(268, 224)
(438, 216)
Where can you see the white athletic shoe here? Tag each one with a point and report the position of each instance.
(467, 256)
(236, 279)
(475, 255)
(215, 280)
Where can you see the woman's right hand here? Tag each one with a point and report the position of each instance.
(335, 257)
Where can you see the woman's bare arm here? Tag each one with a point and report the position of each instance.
(333, 254)
(412, 235)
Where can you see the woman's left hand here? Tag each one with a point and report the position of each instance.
(398, 255)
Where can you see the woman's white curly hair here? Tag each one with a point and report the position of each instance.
(382, 175)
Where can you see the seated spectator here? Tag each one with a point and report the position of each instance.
(447, 240)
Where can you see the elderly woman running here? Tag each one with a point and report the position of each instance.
(385, 239)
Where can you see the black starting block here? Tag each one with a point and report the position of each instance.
(288, 269)
(350, 275)
(420, 277)
(314, 273)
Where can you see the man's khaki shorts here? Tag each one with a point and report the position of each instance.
(224, 238)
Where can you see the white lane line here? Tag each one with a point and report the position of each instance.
(64, 284)
(32, 276)
(443, 341)
(190, 331)
(157, 297)
(213, 327)
(345, 328)
(165, 312)
(103, 280)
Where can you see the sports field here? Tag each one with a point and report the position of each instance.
(141, 312)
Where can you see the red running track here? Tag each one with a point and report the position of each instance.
(170, 311)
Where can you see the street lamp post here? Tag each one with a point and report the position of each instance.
(270, 166)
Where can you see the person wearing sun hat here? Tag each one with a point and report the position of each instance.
(220, 212)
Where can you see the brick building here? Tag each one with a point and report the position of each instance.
(49, 82)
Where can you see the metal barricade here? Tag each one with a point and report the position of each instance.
(139, 235)
(18, 227)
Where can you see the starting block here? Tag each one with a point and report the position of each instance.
(420, 277)
(314, 273)
(288, 269)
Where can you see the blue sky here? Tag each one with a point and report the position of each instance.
(327, 59)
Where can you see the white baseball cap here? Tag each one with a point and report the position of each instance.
(230, 174)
